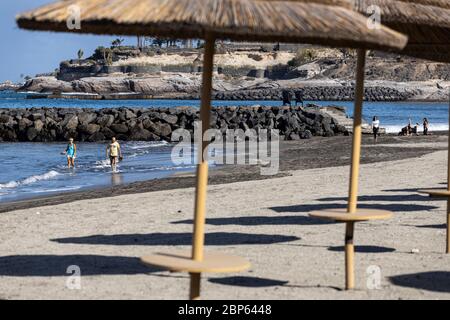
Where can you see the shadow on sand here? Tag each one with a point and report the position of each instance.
(56, 266)
(382, 198)
(364, 249)
(261, 221)
(438, 281)
(178, 239)
(433, 226)
(255, 282)
(394, 207)
(250, 282)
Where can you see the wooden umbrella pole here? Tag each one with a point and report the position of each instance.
(447, 250)
(448, 182)
(357, 121)
(202, 168)
(349, 256)
(354, 172)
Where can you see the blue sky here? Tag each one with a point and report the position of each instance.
(29, 52)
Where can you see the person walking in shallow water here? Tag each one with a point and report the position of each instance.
(375, 128)
(71, 153)
(114, 152)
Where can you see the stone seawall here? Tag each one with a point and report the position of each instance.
(59, 124)
(318, 94)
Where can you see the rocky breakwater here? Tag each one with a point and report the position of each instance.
(59, 124)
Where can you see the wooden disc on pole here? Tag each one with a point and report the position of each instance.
(181, 261)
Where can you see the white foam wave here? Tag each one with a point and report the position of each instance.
(58, 190)
(172, 168)
(433, 127)
(30, 180)
(145, 145)
(102, 164)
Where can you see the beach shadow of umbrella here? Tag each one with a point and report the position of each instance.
(178, 239)
(433, 226)
(383, 198)
(57, 266)
(438, 281)
(364, 249)
(261, 221)
(255, 282)
(250, 282)
(394, 207)
(407, 189)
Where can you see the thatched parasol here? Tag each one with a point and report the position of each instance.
(325, 22)
(425, 22)
(292, 21)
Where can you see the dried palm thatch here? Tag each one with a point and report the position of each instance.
(315, 21)
(426, 22)
(339, 3)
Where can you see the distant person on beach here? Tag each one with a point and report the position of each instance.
(114, 152)
(415, 130)
(375, 128)
(299, 97)
(409, 127)
(287, 97)
(426, 126)
(407, 131)
(71, 153)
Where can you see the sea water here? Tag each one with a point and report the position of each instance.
(34, 169)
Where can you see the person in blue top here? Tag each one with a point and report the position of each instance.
(71, 152)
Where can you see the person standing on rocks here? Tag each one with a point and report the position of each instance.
(71, 153)
(375, 128)
(114, 152)
(287, 97)
(299, 96)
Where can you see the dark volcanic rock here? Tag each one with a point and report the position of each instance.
(119, 128)
(46, 124)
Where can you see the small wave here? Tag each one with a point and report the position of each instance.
(30, 180)
(172, 168)
(57, 190)
(101, 164)
(145, 145)
(433, 127)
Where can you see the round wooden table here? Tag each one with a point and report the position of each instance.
(181, 261)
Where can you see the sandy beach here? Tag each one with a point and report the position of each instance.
(292, 256)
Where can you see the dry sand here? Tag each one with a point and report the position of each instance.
(293, 257)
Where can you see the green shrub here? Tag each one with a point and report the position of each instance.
(255, 57)
(303, 56)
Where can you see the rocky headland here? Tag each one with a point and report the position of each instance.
(323, 75)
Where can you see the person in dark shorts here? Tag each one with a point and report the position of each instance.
(299, 95)
(375, 128)
(114, 152)
(426, 126)
(287, 97)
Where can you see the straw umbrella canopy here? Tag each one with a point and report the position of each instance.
(427, 25)
(325, 22)
(425, 22)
